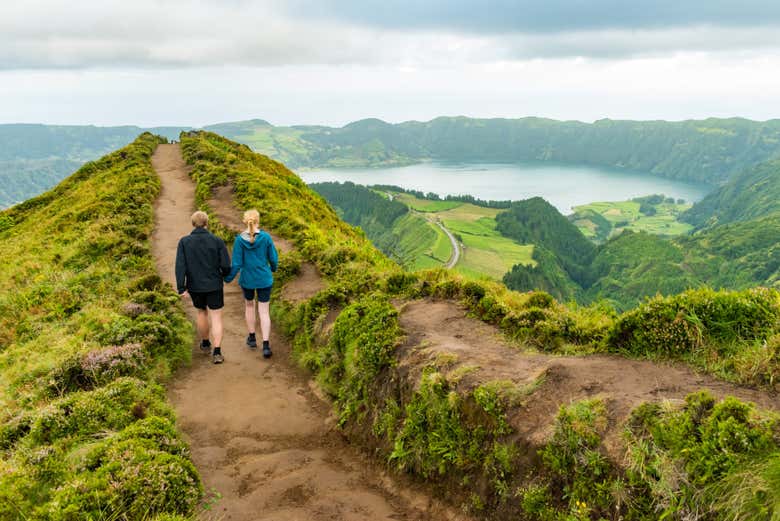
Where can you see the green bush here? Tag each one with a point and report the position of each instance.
(88, 412)
(677, 453)
(579, 470)
(683, 323)
(135, 481)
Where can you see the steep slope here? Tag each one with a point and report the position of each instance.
(443, 397)
(753, 193)
(34, 158)
(87, 328)
(633, 266)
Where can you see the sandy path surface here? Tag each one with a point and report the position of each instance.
(259, 435)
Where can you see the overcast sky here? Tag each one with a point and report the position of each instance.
(194, 62)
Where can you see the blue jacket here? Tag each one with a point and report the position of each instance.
(255, 260)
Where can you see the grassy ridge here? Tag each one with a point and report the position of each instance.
(87, 329)
(459, 437)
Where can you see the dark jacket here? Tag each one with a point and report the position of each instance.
(256, 261)
(201, 262)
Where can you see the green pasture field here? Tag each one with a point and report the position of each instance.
(625, 215)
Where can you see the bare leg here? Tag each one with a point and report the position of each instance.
(216, 326)
(264, 309)
(249, 314)
(203, 324)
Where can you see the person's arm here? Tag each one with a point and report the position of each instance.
(224, 261)
(273, 256)
(238, 261)
(181, 269)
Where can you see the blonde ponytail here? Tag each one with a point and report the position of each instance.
(252, 220)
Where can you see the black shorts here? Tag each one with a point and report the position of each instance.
(211, 299)
(263, 294)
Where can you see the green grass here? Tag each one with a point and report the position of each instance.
(421, 244)
(87, 329)
(485, 251)
(424, 205)
(442, 248)
(625, 215)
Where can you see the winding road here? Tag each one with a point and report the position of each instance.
(455, 246)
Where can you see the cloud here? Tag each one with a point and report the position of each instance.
(49, 34)
(534, 16)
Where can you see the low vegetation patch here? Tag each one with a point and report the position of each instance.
(87, 330)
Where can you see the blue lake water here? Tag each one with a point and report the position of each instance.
(564, 186)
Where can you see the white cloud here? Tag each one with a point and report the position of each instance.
(186, 33)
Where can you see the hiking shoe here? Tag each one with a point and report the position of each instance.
(251, 341)
(267, 351)
(217, 357)
(205, 346)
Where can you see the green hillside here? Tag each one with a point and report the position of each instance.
(87, 332)
(632, 266)
(711, 150)
(654, 214)
(753, 193)
(410, 234)
(34, 158)
(454, 430)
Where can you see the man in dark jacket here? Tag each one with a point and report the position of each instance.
(201, 263)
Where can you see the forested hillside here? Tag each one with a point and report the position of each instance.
(753, 193)
(404, 236)
(34, 158)
(633, 266)
(710, 150)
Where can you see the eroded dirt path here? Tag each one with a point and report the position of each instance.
(259, 435)
(441, 329)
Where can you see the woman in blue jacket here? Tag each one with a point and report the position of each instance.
(255, 256)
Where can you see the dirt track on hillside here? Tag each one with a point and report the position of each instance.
(260, 437)
(435, 327)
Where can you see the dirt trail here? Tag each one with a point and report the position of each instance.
(436, 327)
(259, 436)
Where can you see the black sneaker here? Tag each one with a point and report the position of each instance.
(217, 357)
(266, 351)
(205, 346)
(251, 341)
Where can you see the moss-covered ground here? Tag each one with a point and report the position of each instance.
(88, 331)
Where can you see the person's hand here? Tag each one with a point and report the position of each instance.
(184, 294)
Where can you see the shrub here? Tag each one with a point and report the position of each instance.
(580, 472)
(115, 406)
(682, 323)
(676, 452)
(135, 481)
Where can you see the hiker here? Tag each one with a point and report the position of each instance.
(254, 254)
(201, 262)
